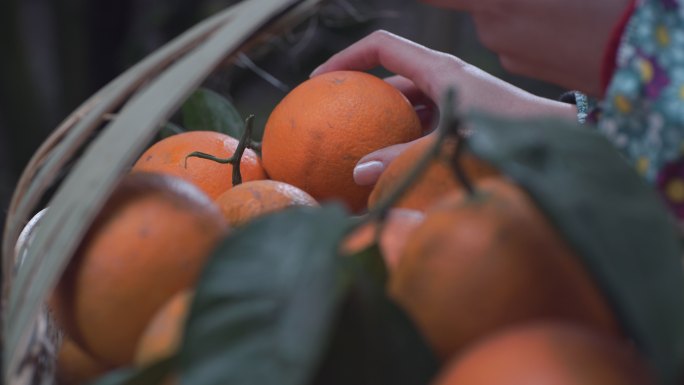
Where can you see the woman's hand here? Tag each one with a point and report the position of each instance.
(424, 75)
(558, 41)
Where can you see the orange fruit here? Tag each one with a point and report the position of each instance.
(74, 366)
(434, 182)
(149, 242)
(168, 156)
(319, 131)
(482, 262)
(252, 199)
(162, 336)
(398, 225)
(548, 353)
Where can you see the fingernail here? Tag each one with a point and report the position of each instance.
(367, 173)
(424, 113)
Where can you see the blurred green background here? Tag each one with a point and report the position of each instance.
(56, 53)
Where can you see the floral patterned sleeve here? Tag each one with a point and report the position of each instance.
(642, 111)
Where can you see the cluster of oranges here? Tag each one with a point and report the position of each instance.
(491, 286)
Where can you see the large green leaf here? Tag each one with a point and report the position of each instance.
(206, 110)
(374, 342)
(609, 214)
(264, 308)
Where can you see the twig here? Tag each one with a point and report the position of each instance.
(245, 141)
(449, 125)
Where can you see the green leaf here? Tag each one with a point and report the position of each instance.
(264, 308)
(609, 214)
(374, 343)
(153, 374)
(206, 110)
(370, 263)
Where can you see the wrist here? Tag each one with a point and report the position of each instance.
(555, 108)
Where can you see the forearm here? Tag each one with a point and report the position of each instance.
(480, 91)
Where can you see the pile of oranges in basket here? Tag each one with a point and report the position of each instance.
(488, 282)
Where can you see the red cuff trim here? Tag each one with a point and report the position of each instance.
(610, 53)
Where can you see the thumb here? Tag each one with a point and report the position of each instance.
(369, 168)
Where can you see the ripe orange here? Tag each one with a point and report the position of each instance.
(149, 242)
(252, 199)
(548, 353)
(479, 263)
(436, 180)
(162, 336)
(400, 223)
(168, 156)
(316, 134)
(76, 367)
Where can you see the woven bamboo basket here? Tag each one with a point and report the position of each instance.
(94, 147)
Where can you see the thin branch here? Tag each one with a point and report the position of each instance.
(245, 62)
(449, 125)
(234, 160)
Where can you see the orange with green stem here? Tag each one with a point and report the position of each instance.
(189, 156)
(485, 258)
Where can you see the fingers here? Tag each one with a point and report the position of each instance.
(380, 48)
(371, 166)
(398, 55)
(412, 93)
(424, 107)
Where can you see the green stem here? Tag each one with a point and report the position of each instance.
(204, 155)
(458, 169)
(237, 156)
(245, 139)
(449, 125)
(455, 129)
(255, 145)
